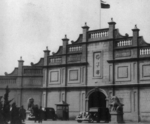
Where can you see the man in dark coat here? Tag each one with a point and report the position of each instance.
(36, 113)
(22, 113)
(2, 118)
(40, 114)
(14, 114)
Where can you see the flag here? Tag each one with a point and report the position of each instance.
(104, 5)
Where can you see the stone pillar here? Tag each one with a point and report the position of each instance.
(86, 104)
(64, 58)
(111, 46)
(65, 43)
(135, 35)
(45, 76)
(44, 97)
(116, 117)
(85, 35)
(136, 43)
(111, 28)
(19, 81)
(20, 67)
(64, 61)
(84, 46)
(46, 54)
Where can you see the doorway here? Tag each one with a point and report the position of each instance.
(97, 99)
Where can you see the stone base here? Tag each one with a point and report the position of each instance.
(116, 117)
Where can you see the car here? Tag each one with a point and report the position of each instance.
(49, 113)
(83, 116)
(99, 114)
(95, 114)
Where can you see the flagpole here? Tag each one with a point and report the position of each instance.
(100, 16)
(103, 5)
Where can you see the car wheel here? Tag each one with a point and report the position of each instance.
(90, 121)
(98, 121)
(54, 119)
(79, 121)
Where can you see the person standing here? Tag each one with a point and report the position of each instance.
(36, 113)
(14, 114)
(40, 114)
(22, 113)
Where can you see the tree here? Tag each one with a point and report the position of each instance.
(6, 107)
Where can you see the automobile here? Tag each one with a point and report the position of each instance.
(95, 114)
(83, 116)
(49, 113)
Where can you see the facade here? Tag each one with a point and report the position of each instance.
(86, 73)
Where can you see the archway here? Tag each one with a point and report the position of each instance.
(97, 99)
(99, 95)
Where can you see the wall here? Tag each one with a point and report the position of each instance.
(99, 71)
(35, 94)
(129, 97)
(145, 104)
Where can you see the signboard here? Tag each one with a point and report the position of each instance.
(97, 64)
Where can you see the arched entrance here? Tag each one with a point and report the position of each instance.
(97, 99)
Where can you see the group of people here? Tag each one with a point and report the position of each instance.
(14, 115)
(17, 115)
(38, 113)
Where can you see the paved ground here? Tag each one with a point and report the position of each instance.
(54, 122)
(74, 122)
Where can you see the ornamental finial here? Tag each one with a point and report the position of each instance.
(112, 19)
(65, 36)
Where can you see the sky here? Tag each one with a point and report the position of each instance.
(28, 26)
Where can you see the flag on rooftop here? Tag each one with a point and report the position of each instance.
(104, 5)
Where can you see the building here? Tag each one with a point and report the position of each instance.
(87, 72)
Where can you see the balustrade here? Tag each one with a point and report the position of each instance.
(32, 71)
(7, 81)
(99, 34)
(55, 60)
(124, 43)
(145, 51)
(75, 49)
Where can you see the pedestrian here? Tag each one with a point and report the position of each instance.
(22, 113)
(19, 121)
(2, 118)
(40, 114)
(36, 113)
(14, 114)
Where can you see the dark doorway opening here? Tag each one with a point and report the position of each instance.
(97, 99)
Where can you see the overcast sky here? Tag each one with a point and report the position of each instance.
(28, 26)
